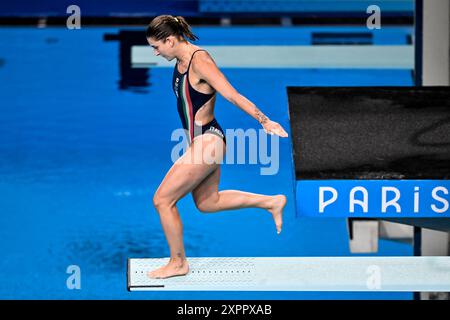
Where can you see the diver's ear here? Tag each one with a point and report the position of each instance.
(171, 40)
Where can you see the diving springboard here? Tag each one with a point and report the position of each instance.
(278, 56)
(411, 274)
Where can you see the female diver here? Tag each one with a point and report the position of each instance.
(196, 79)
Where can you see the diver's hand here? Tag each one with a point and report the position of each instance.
(272, 127)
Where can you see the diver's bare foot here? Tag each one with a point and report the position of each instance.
(276, 209)
(172, 269)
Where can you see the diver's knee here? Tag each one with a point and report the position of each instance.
(160, 201)
(206, 206)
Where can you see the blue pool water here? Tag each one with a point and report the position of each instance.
(80, 159)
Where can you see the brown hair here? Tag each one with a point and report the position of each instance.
(163, 26)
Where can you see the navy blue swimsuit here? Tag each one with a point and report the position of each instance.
(189, 101)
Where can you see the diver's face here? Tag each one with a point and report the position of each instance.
(162, 48)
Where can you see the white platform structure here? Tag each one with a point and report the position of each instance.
(411, 274)
(265, 56)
